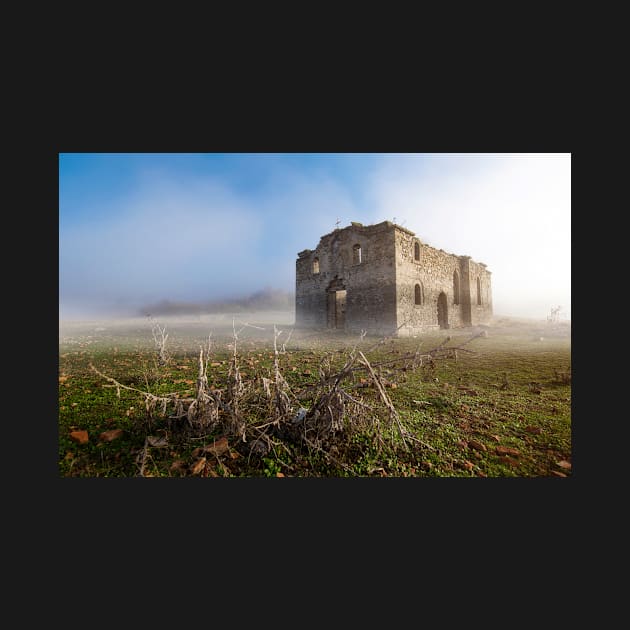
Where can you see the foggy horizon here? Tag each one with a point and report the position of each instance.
(136, 230)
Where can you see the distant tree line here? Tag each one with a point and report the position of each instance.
(267, 299)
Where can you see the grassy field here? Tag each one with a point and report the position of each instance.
(498, 407)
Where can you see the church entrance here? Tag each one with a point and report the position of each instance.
(337, 304)
(442, 308)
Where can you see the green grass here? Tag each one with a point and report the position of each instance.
(509, 394)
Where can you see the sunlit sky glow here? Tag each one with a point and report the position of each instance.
(135, 229)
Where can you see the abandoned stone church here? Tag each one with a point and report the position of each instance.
(381, 278)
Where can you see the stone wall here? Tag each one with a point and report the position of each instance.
(480, 313)
(434, 272)
(369, 282)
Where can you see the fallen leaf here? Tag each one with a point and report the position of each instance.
(508, 460)
(70, 456)
(178, 465)
(279, 474)
(504, 450)
(108, 436)
(532, 429)
(63, 379)
(557, 473)
(468, 465)
(478, 446)
(219, 447)
(463, 443)
(496, 438)
(79, 436)
(215, 364)
(564, 464)
(198, 466)
(234, 455)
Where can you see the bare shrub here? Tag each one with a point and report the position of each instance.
(266, 413)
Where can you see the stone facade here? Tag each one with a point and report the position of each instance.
(382, 278)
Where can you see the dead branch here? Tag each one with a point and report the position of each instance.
(286, 341)
(235, 389)
(439, 352)
(160, 337)
(393, 414)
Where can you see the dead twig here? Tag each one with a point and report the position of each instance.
(160, 336)
(385, 398)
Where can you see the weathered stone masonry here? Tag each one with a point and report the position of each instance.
(380, 278)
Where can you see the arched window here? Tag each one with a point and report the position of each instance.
(356, 254)
(416, 251)
(419, 294)
(478, 290)
(455, 288)
(316, 265)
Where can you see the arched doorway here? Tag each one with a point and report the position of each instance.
(336, 304)
(442, 308)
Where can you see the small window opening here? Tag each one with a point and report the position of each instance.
(356, 255)
(419, 294)
(316, 265)
(416, 251)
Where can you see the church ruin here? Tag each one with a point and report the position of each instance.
(381, 278)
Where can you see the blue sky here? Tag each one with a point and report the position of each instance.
(138, 228)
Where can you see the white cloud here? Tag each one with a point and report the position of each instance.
(512, 213)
